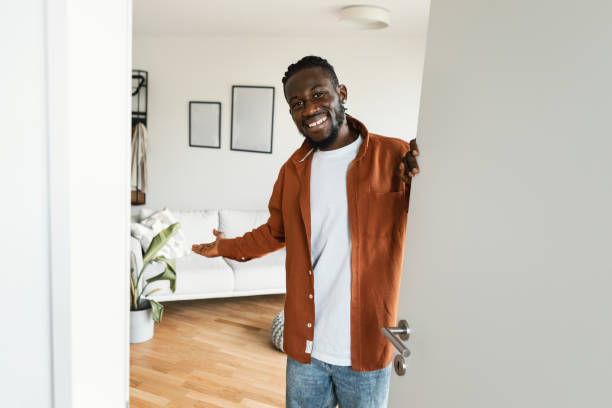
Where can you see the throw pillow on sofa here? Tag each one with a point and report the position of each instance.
(153, 224)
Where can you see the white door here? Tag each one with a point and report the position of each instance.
(507, 280)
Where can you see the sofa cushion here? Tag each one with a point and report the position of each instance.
(147, 228)
(197, 226)
(196, 274)
(144, 213)
(234, 223)
(267, 272)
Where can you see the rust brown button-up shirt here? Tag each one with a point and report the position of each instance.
(377, 209)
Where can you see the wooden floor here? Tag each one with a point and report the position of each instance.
(211, 353)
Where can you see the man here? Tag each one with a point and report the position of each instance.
(339, 206)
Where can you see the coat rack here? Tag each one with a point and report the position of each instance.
(140, 83)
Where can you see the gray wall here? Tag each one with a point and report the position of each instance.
(507, 269)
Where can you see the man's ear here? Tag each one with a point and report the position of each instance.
(342, 93)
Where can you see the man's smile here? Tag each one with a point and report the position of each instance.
(317, 122)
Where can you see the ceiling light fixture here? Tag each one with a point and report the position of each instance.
(366, 17)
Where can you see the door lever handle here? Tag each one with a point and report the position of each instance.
(396, 335)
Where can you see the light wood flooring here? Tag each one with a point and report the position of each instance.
(211, 353)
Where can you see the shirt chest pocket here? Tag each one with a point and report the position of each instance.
(386, 213)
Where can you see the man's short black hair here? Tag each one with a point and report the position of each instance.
(311, 61)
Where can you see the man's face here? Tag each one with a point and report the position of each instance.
(315, 106)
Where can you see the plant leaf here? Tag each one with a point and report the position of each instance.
(158, 310)
(152, 292)
(169, 262)
(159, 241)
(168, 274)
(132, 263)
(132, 295)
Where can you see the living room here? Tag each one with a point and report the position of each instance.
(199, 56)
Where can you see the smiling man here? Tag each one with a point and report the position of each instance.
(339, 206)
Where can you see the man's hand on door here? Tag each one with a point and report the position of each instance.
(208, 250)
(409, 167)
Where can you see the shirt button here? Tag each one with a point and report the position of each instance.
(310, 296)
(310, 272)
(309, 325)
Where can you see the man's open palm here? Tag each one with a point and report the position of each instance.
(208, 250)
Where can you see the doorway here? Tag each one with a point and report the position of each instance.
(198, 54)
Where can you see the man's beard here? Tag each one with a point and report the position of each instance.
(329, 140)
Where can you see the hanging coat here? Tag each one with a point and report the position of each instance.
(139, 158)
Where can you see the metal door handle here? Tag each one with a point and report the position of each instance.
(397, 334)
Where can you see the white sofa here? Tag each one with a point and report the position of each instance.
(199, 277)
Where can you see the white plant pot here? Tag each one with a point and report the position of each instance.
(141, 325)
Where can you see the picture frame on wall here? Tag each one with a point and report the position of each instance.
(205, 124)
(252, 126)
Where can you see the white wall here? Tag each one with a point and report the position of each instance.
(97, 126)
(25, 339)
(65, 202)
(383, 76)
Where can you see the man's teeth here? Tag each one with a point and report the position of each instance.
(318, 122)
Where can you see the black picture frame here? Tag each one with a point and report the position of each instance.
(196, 121)
(258, 132)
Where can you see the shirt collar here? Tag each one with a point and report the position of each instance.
(305, 150)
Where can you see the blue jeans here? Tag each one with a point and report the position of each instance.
(323, 385)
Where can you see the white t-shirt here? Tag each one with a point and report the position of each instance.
(331, 253)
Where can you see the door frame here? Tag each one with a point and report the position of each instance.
(88, 51)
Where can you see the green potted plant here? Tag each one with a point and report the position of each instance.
(144, 311)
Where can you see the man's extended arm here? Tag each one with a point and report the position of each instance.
(258, 242)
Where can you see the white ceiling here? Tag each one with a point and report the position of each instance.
(314, 18)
